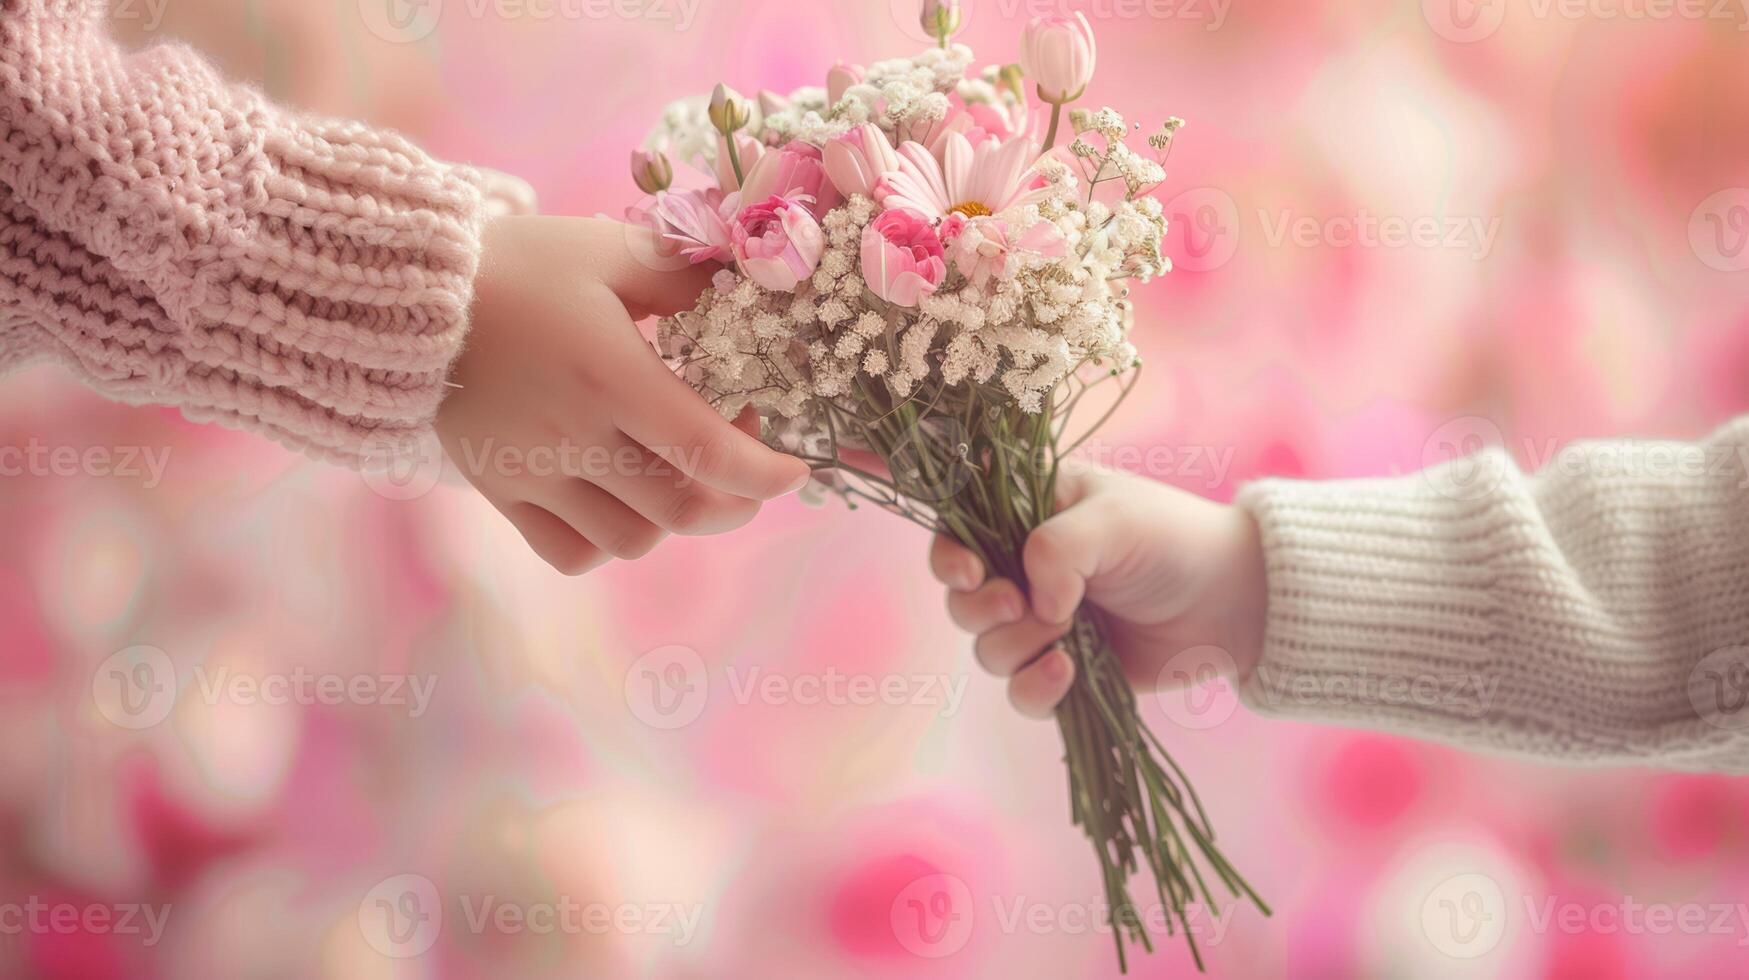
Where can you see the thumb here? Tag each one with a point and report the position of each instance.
(1060, 556)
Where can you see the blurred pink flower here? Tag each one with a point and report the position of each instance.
(856, 160)
(1057, 52)
(977, 122)
(980, 247)
(777, 242)
(691, 223)
(796, 171)
(902, 258)
(988, 180)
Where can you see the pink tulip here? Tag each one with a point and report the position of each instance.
(840, 79)
(797, 171)
(902, 259)
(856, 160)
(750, 151)
(777, 243)
(1057, 53)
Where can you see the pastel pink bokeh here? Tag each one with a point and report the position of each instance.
(1582, 184)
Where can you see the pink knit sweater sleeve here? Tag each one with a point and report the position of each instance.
(175, 239)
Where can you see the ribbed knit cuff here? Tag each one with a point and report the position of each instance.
(181, 241)
(343, 293)
(1362, 589)
(1442, 605)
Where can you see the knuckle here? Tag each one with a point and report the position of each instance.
(1043, 545)
(713, 456)
(985, 652)
(687, 511)
(957, 611)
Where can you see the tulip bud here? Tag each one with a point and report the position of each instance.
(840, 79)
(1058, 54)
(651, 171)
(941, 19)
(728, 112)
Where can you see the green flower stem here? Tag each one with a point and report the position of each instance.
(1056, 120)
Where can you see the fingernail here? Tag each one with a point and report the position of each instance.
(799, 484)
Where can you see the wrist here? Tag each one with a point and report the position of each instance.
(1244, 589)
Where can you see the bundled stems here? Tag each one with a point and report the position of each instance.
(985, 473)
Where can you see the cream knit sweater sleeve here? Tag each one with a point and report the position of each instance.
(1595, 613)
(176, 239)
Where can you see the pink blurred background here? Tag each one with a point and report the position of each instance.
(596, 783)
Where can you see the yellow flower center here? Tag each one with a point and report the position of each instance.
(971, 209)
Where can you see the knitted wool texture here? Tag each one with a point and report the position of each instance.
(175, 239)
(1596, 613)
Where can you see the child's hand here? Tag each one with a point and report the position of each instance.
(1171, 570)
(610, 450)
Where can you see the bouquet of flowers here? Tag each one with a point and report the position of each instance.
(916, 288)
